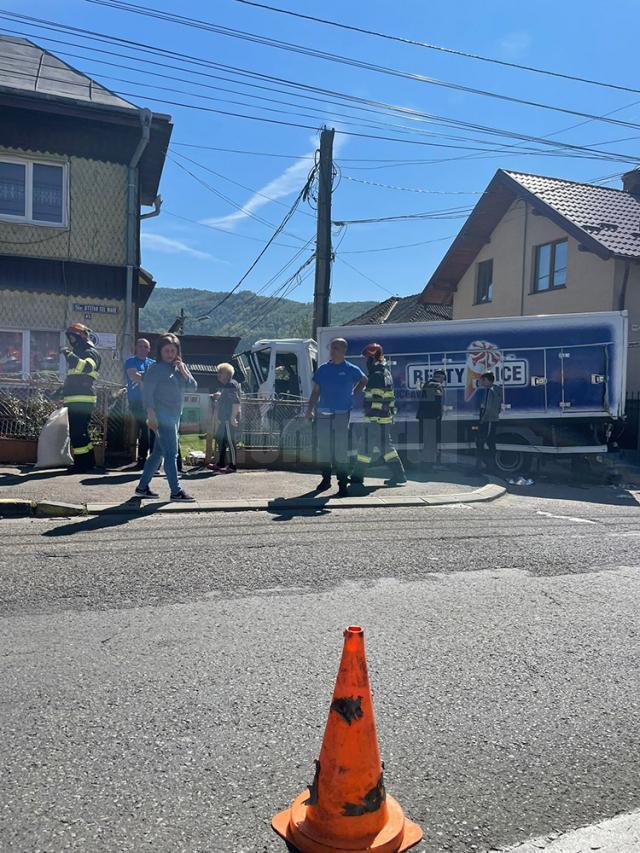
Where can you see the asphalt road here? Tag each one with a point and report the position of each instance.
(164, 682)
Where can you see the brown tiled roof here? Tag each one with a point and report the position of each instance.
(603, 220)
(610, 216)
(399, 309)
(31, 69)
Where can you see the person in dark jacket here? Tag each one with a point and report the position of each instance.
(163, 395)
(227, 416)
(429, 414)
(488, 415)
(79, 393)
(379, 412)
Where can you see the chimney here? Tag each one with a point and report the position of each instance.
(631, 182)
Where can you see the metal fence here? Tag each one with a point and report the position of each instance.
(25, 406)
(264, 423)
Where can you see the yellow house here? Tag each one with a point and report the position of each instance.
(539, 245)
(76, 163)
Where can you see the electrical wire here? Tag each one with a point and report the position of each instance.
(412, 189)
(448, 50)
(224, 231)
(301, 195)
(400, 246)
(237, 183)
(363, 275)
(446, 213)
(292, 47)
(374, 124)
(238, 71)
(230, 201)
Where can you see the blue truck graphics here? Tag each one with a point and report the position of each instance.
(558, 366)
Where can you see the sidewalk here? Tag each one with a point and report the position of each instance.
(250, 489)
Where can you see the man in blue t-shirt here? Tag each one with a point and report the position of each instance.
(334, 384)
(135, 369)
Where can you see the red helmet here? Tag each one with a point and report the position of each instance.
(373, 351)
(80, 330)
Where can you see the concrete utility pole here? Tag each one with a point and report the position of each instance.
(323, 238)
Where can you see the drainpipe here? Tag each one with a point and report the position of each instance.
(524, 257)
(132, 226)
(157, 204)
(622, 298)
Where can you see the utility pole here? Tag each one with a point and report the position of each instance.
(323, 239)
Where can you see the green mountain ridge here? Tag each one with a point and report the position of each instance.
(244, 314)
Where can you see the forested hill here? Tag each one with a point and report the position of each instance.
(244, 314)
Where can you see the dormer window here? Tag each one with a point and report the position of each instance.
(33, 192)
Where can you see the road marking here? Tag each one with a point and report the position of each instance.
(618, 835)
(567, 517)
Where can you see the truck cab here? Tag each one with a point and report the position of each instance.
(281, 369)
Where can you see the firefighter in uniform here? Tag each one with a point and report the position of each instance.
(379, 411)
(79, 392)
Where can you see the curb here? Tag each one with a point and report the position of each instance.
(492, 490)
(17, 508)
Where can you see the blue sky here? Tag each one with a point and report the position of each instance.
(571, 37)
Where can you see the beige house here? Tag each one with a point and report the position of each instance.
(538, 245)
(76, 163)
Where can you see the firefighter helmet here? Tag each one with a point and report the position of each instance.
(80, 330)
(373, 351)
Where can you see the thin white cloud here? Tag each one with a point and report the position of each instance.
(290, 181)
(515, 45)
(169, 246)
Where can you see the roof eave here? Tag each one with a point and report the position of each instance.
(441, 286)
(586, 240)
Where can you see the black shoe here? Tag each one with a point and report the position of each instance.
(323, 485)
(393, 481)
(183, 497)
(343, 491)
(356, 481)
(139, 465)
(146, 493)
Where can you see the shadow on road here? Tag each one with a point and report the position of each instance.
(29, 476)
(308, 504)
(111, 479)
(583, 492)
(105, 520)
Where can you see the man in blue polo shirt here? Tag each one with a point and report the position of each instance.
(334, 384)
(135, 369)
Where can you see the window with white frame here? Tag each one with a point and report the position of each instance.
(33, 191)
(25, 353)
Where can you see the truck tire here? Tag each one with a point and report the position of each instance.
(511, 462)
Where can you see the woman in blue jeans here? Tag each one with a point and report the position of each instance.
(163, 396)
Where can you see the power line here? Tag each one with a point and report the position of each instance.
(339, 58)
(432, 119)
(447, 213)
(302, 194)
(230, 201)
(411, 189)
(224, 231)
(363, 275)
(237, 183)
(376, 110)
(440, 48)
(400, 246)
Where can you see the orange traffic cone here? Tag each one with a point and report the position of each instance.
(346, 809)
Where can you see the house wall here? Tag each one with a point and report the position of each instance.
(25, 312)
(97, 215)
(632, 304)
(590, 280)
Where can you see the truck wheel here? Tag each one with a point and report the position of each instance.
(510, 462)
